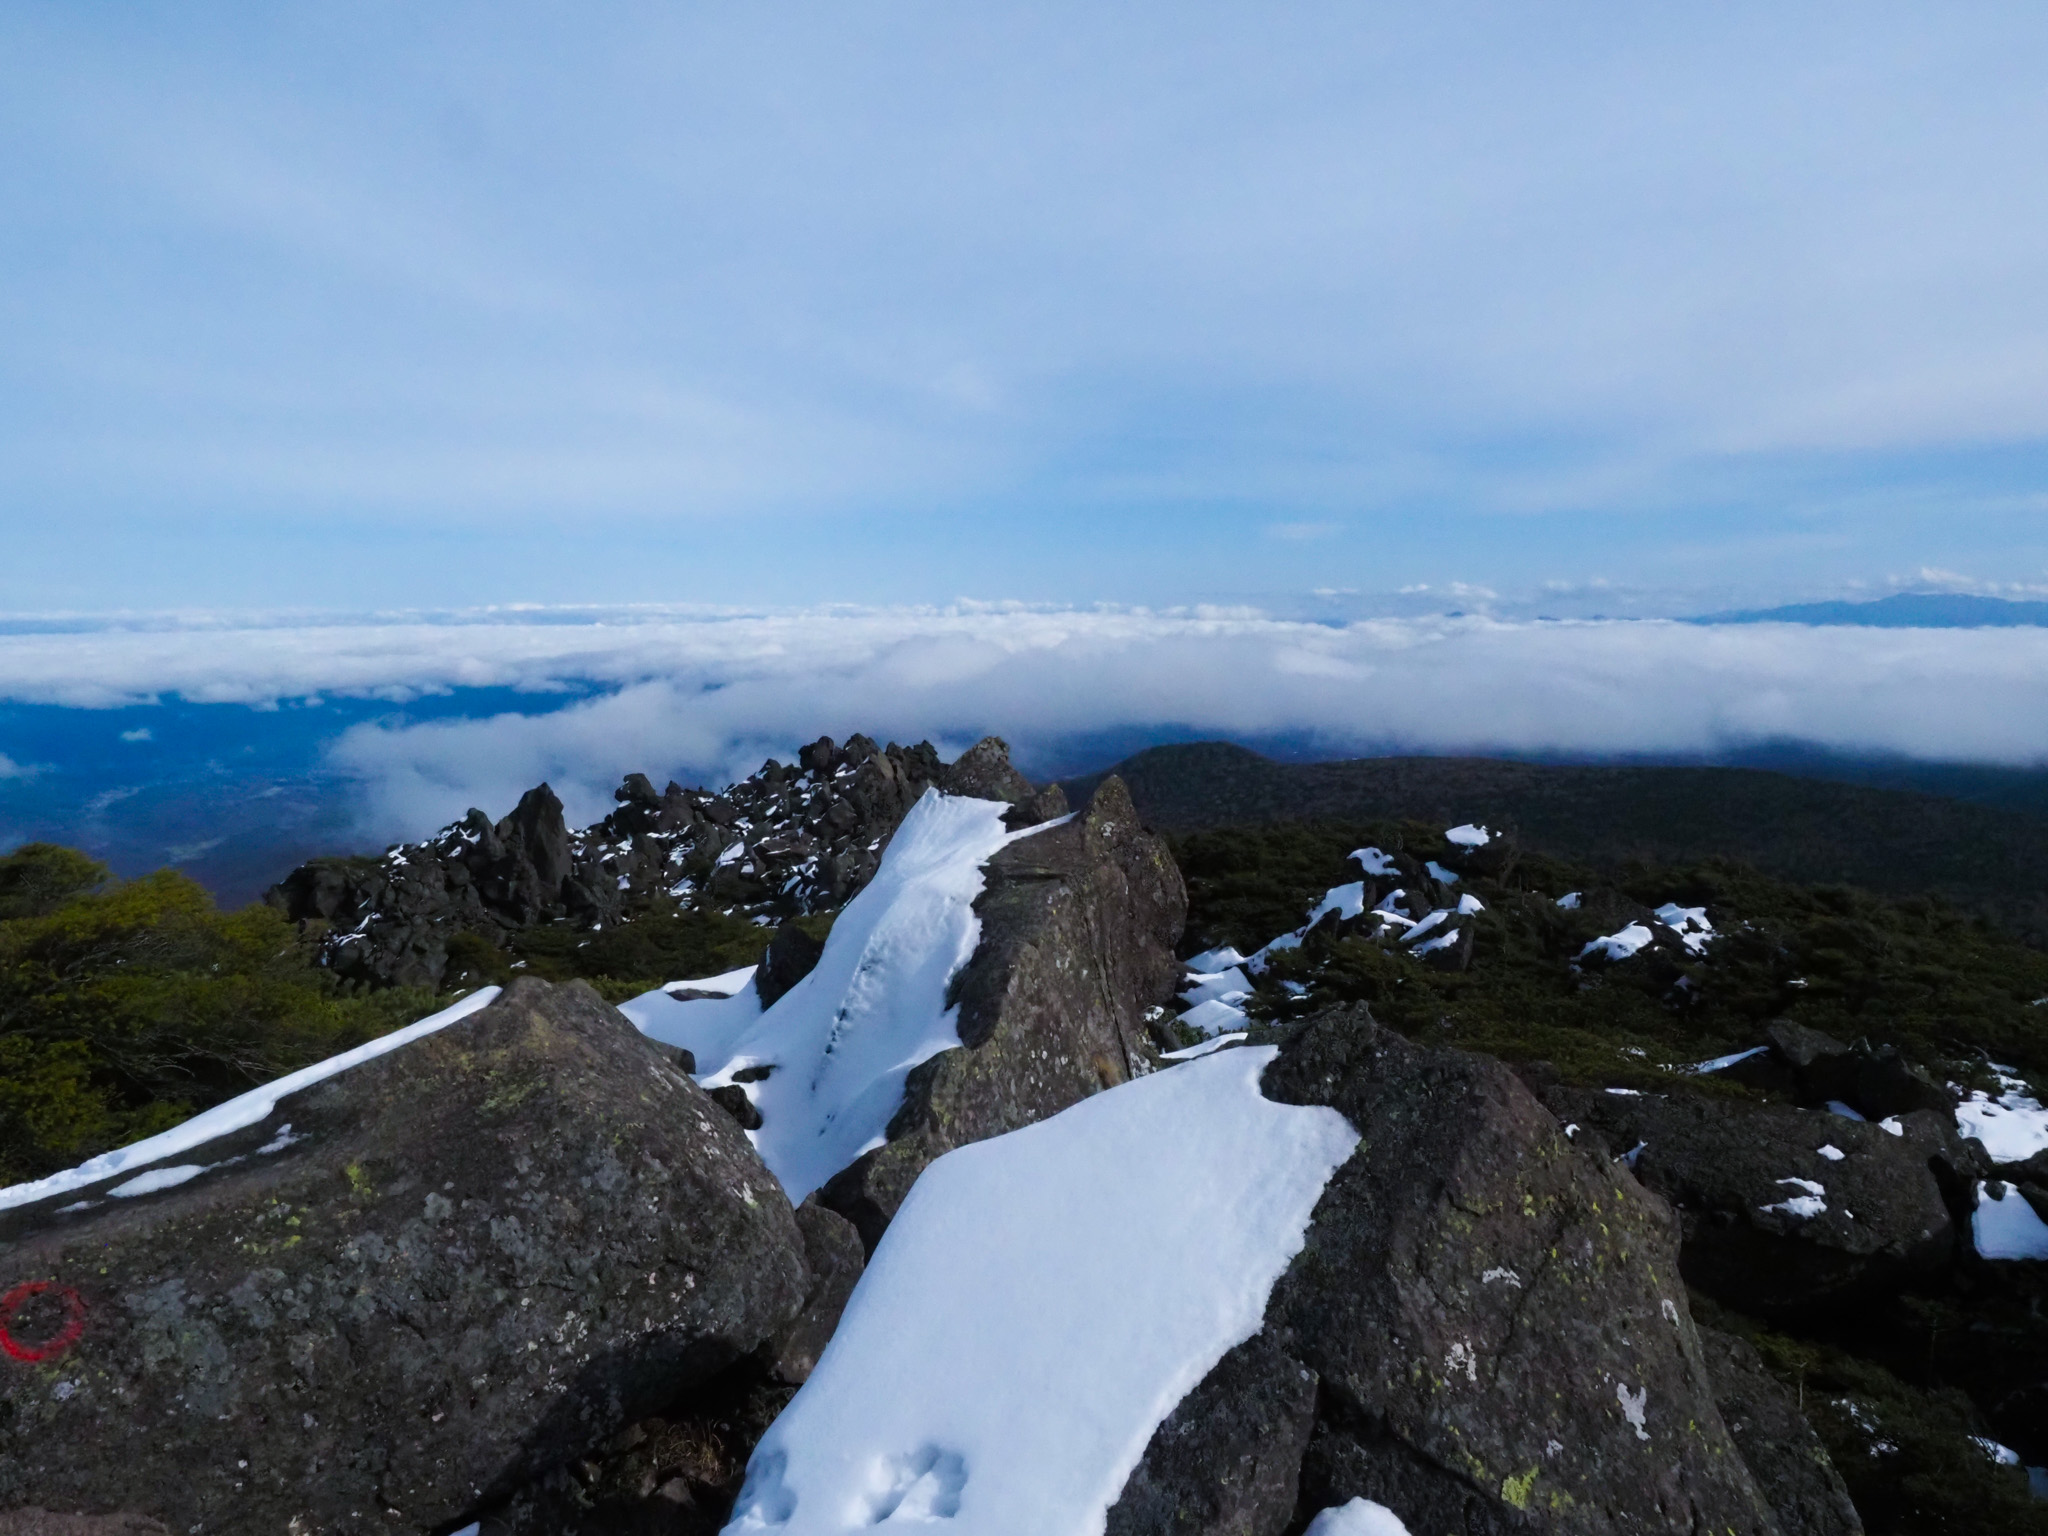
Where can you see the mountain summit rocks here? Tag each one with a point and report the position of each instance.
(1485, 1331)
(419, 1285)
(785, 842)
(1078, 927)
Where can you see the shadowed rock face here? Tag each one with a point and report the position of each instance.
(1725, 1166)
(1227, 1460)
(476, 1257)
(1784, 1455)
(1495, 1319)
(1079, 924)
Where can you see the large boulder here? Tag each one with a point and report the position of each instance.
(415, 1286)
(1078, 927)
(1813, 1068)
(1783, 1210)
(1784, 1455)
(1495, 1321)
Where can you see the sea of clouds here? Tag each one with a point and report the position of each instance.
(705, 696)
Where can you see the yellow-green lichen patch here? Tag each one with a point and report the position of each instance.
(1515, 1490)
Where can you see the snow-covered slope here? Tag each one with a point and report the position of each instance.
(706, 1027)
(237, 1114)
(1041, 1303)
(825, 1066)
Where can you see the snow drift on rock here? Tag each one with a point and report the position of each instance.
(1361, 1517)
(2005, 1226)
(251, 1108)
(706, 1027)
(825, 1066)
(1041, 1303)
(2013, 1126)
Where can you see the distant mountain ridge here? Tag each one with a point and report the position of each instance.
(1902, 610)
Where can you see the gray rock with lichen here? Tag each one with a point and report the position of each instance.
(1772, 1223)
(469, 1261)
(1494, 1319)
(1784, 1455)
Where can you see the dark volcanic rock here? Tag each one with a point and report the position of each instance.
(1227, 1460)
(783, 843)
(40, 1522)
(470, 1260)
(791, 956)
(1814, 1069)
(1497, 1319)
(832, 1249)
(983, 772)
(669, 1474)
(1873, 1081)
(1079, 924)
(1784, 1455)
(1738, 1175)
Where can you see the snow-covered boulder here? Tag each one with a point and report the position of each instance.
(402, 1291)
(1078, 923)
(1496, 1320)
(1039, 1305)
(1784, 1209)
(1257, 1286)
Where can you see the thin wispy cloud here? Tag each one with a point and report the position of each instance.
(457, 304)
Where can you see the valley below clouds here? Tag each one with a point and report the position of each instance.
(705, 695)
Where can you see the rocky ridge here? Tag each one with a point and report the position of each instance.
(785, 842)
(1078, 928)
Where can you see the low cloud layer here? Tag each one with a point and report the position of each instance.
(706, 697)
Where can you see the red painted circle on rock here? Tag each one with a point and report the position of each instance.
(72, 1331)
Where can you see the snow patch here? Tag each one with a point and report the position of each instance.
(1360, 1517)
(1214, 1017)
(2005, 1226)
(2013, 1126)
(706, 1027)
(158, 1178)
(1805, 1207)
(1375, 863)
(1689, 923)
(1041, 1303)
(1469, 836)
(1190, 1052)
(1230, 984)
(1619, 946)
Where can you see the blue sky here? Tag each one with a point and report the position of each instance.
(1611, 309)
